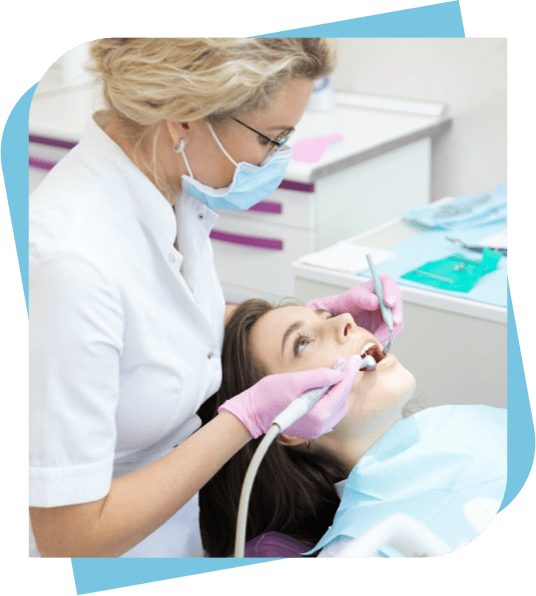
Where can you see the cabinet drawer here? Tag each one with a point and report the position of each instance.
(48, 150)
(292, 204)
(257, 255)
(44, 154)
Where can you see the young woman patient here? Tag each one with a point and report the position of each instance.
(298, 486)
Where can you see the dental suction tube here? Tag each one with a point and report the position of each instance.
(294, 411)
(301, 405)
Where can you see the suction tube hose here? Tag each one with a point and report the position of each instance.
(294, 411)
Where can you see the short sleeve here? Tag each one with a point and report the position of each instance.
(76, 330)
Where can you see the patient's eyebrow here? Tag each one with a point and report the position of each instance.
(295, 326)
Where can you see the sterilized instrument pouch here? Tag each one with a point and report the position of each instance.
(456, 273)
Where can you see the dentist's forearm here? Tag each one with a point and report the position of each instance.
(140, 502)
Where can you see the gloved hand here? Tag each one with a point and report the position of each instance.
(259, 405)
(363, 304)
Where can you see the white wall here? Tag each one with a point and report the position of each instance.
(469, 75)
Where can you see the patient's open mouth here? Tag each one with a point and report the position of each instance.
(371, 349)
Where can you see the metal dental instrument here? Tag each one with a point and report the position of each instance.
(368, 363)
(476, 248)
(301, 405)
(386, 311)
(433, 276)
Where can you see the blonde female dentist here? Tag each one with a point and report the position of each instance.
(126, 310)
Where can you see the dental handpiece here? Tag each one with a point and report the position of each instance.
(387, 314)
(301, 405)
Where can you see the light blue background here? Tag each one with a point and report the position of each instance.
(441, 20)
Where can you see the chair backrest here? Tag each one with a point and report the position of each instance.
(274, 545)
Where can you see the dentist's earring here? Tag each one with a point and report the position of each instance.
(180, 148)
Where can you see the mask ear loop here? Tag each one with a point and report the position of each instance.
(219, 144)
(180, 149)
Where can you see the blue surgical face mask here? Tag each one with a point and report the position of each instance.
(250, 184)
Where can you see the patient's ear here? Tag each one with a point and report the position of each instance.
(291, 441)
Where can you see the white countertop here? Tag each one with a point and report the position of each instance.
(370, 126)
(385, 236)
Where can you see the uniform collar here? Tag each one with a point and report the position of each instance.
(190, 221)
(99, 151)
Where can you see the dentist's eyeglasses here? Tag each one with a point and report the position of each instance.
(278, 142)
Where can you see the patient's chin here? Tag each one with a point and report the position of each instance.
(403, 382)
(409, 392)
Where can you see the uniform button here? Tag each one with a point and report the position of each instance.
(209, 356)
(171, 257)
(200, 216)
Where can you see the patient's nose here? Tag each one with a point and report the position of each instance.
(345, 327)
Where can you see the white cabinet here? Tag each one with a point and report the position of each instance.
(258, 253)
(334, 207)
(382, 165)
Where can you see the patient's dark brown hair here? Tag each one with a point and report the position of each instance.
(293, 492)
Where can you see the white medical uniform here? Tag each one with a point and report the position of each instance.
(125, 330)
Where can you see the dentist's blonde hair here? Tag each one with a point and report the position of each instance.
(146, 81)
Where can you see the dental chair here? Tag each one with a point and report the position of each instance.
(397, 533)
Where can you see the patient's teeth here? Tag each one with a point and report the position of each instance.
(371, 344)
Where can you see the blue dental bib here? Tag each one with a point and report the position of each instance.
(428, 466)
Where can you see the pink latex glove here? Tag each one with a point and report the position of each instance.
(259, 405)
(363, 304)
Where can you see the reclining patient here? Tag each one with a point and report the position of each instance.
(376, 461)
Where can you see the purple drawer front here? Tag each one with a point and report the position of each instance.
(251, 241)
(267, 207)
(41, 164)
